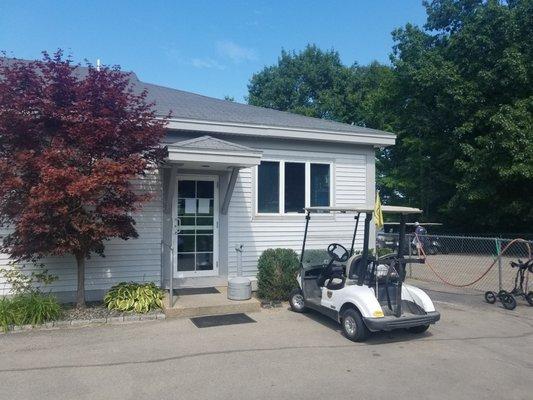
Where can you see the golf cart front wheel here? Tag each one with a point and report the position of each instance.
(509, 302)
(529, 298)
(418, 329)
(490, 297)
(296, 300)
(353, 326)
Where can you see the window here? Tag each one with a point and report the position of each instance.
(294, 187)
(268, 188)
(320, 185)
(287, 187)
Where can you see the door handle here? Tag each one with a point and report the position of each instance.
(178, 225)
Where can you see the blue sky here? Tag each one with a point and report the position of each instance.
(208, 47)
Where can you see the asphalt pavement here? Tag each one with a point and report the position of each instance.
(476, 351)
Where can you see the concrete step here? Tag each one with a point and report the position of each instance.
(195, 305)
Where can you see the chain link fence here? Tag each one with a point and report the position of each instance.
(479, 263)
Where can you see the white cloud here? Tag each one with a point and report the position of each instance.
(206, 63)
(234, 52)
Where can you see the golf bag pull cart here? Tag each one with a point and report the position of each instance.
(520, 289)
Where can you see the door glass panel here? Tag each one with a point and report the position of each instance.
(195, 207)
(204, 243)
(188, 222)
(204, 261)
(186, 243)
(187, 189)
(205, 189)
(204, 221)
(185, 262)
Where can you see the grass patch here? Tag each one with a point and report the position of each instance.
(32, 308)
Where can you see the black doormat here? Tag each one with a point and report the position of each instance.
(200, 290)
(219, 320)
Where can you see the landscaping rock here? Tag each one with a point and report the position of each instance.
(131, 317)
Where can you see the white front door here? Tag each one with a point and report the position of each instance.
(196, 233)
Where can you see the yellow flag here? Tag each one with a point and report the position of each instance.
(378, 214)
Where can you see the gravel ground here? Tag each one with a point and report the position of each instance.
(95, 310)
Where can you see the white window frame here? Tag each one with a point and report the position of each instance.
(281, 183)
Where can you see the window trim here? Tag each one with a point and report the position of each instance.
(281, 183)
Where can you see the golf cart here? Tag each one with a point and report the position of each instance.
(363, 293)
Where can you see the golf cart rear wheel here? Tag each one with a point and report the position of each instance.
(418, 329)
(353, 326)
(508, 302)
(490, 297)
(296, 300)
(529, 298)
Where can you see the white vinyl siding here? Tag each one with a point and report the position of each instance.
(125, 260)
(258, 232)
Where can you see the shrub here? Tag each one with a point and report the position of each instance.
(131, 296)
(29, 308)
(277, 269)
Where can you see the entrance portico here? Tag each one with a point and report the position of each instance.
(199, 176)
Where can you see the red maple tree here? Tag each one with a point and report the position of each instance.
(71, 141)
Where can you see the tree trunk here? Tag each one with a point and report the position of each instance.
(80, 294)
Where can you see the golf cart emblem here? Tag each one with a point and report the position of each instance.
(330, 293)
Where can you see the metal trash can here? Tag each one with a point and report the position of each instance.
(239, 288)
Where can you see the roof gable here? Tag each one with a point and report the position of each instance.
(211, 143)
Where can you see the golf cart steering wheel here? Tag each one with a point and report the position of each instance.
(334, 249)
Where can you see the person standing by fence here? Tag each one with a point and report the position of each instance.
(420, 238)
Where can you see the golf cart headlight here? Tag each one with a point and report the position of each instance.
(378, 313)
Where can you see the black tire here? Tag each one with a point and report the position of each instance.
(418, 329)
(529, 298)
(509, 302)
(503, 292)
(490, 297)
(432, 250)
(353, 326)
(296, 300)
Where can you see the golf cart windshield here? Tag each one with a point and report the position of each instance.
(326, 242)
(338, 236)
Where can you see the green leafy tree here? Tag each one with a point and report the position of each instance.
(463, 100)
(459, 96)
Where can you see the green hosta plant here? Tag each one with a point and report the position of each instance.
(131, 296)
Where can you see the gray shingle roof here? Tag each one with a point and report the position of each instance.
(186, 105)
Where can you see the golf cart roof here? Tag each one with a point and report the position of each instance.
(400, 210)
(364, 209)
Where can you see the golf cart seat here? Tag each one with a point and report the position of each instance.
(333, 277)
(353, 266)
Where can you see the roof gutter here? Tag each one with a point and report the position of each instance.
(377, 139)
